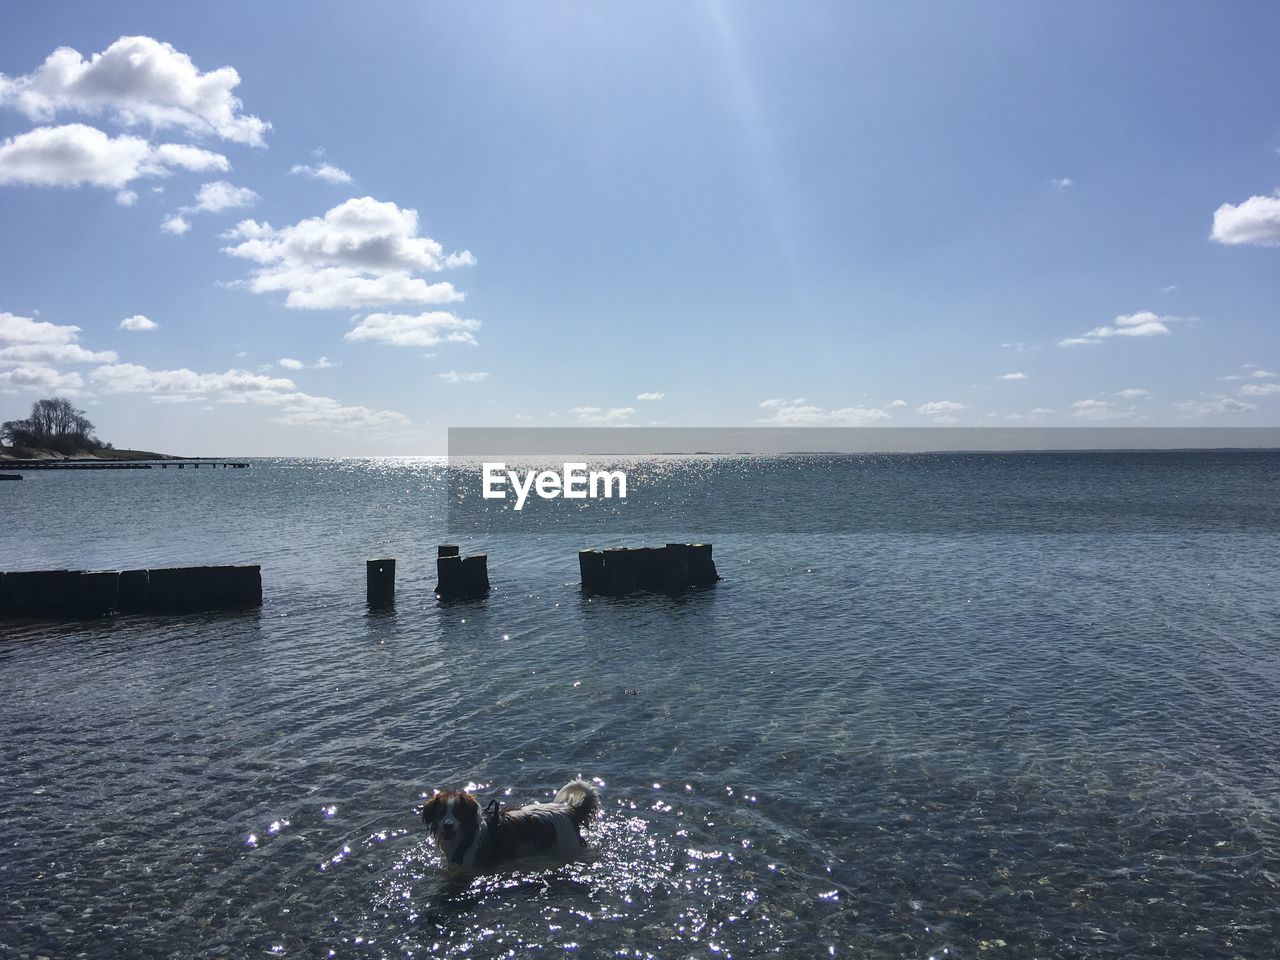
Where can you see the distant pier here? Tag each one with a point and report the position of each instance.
(122, 464)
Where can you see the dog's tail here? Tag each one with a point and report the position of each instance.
(582, 799)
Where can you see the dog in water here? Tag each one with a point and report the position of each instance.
(473, 839)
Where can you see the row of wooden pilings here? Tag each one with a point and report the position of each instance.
(621, 570)
(90, 593)
(95, 593)
(670, 569)
(456, 576)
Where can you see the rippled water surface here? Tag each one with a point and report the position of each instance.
(885, 746)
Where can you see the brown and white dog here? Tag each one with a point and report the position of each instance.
(473, 839)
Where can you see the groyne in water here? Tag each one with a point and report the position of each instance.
(173, 590)
(96, 593)
(670, 569)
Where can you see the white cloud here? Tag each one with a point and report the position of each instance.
(362, 253)
(1213, 406)
(1096, 410)
(1012, 376)
(798, 413)
(190, 158)
(422, 330)
(15, 329)
(26, 341)
(1043, 410)
(40, 379)
(242, 386)
(1141, 324)
(1255, 373)
(1255, 221)
(321, 171)
(304, 410)
(54, 353)
(138, 324)
(1077, 342)
(219, 195)
(940, 406)
(1061, 183)
(176, 224)
(453, 376)
(126, 198)
(1260, 389)
(654, 395)
(136, 80)
(238, 384)
(898, 403)
(289, 363)
(77, 154)
(613, 417)
(1130, 393)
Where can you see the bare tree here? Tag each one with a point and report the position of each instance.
(54, 424)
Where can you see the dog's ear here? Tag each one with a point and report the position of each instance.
(431, 809)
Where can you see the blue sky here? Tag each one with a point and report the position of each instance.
(749, 213)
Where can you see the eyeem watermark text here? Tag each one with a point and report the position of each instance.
(575, 483)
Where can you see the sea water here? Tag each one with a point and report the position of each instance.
(913, 741)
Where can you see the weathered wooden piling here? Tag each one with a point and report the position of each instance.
(669, 569)
(475, 573)
(620, 566)
(95, 593)
(131, 592)
(648, 561)
(35, 593)
(701, 568)
(459, 576)
(591, 568)
(675, 567)
(194, 589)
(380, 582)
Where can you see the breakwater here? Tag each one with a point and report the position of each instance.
(96, 593)
(169, 590)
(670, 569)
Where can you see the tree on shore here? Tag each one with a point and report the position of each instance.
(54, 424)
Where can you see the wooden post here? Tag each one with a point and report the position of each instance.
(702, 569)
(380, 582)
(459, 576)
(620, 566)
(193, 589)
(675, 567)
(132, 591)
(93, 593)
(648, 561)
(591, 567)
(475, 575)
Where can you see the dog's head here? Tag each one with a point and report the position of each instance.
(453, 817)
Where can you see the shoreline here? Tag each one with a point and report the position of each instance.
(10, 455)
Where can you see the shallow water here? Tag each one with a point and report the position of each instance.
(893, 745)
